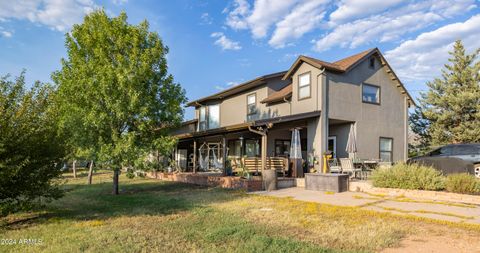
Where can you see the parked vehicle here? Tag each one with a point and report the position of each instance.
(453, 158)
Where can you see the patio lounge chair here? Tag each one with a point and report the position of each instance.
(333, 166)
(349, 168)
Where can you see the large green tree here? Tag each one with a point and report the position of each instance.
(115, 92)
(449, 111)
(30, 147)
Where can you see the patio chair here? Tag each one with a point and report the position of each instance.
(348, 167)
(333, 166)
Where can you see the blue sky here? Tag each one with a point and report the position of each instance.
(216, 44)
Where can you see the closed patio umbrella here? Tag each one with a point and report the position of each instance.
(352, 141)
(296, 154)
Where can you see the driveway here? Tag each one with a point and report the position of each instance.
(446, 211)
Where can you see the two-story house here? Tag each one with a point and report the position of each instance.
(325, 100)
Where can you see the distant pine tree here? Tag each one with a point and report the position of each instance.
(450, 111)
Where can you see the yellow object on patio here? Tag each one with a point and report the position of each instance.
(326, 156)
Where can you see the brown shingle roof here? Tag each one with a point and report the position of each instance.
(338, 66)
(348, 62)
(280, 95)
(237, 89)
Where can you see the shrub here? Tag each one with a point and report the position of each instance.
(409, 176)
(462, 183)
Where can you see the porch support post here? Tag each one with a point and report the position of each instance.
(224, 151)
(194, 156)
(264, 151)
(175, 155)
(262, 132)
(323, 87)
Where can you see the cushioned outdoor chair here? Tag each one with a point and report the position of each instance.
(333, 166)
(348, 167)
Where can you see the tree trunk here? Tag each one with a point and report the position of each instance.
(157, 166)
(115, 181)
(90, 172)
(74, 168)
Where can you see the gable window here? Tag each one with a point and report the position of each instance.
(304, 86)
(202, 118)
(370, 94)
(251, 106)
(371, 62)
(386, 149)
(213, 116)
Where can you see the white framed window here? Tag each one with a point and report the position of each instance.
(202, 118)
(370, 94)
(251, 106)
(386, 149)
(213, 116)
(304, 86)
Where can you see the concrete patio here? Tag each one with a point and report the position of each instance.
(446, 211)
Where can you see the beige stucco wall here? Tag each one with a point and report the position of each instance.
(312, 103)
(233, 110)
(344, 102)
(373, 121)
(340, 131)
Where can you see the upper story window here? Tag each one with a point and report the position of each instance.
(370, 94)
(202, 118)
(304, 86)
(209, 117)
(213, 116)
(251, 106)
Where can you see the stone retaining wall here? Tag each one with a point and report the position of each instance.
(415, 194)
(254, 184)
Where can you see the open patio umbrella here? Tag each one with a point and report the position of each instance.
(296, 153)
(352, 141)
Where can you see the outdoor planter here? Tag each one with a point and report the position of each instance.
(270, 180)
(326, 182)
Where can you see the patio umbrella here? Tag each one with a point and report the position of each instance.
(295, 147)
(352, 141)
(296, 154)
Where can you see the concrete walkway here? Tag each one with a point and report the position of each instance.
(455, 212)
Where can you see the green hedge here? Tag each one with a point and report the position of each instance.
(462, 183)
(417, 177)
(413, 176)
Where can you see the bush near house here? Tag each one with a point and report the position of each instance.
(413, 177)
(417, 177)
(462, 183)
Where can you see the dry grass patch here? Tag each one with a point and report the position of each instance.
(154, 216)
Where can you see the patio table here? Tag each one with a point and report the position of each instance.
(367, 166)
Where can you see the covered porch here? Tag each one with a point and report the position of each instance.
(247, 149)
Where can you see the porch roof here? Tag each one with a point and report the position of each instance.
(246, 125)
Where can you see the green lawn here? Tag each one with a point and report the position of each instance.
(155, 216)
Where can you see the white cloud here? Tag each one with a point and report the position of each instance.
(206, 19)
(236, 18)
(303, 18)
(423, 57)
(266, 13)
(224, 42)
(288, 57)
(290, 19)
(57, 14)
(228, 85)
(354, 9)
(390, 25)
(6, 34)
(119, 2)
